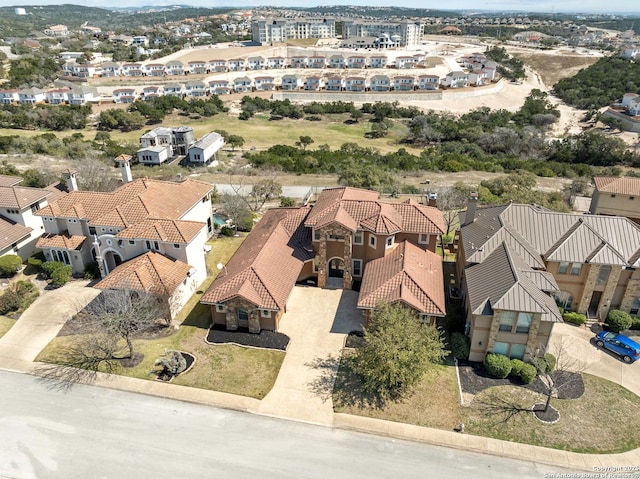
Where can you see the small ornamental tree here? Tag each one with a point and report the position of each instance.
(398, 350)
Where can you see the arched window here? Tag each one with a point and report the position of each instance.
(564, 300)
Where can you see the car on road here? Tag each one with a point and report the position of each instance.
(620, 344)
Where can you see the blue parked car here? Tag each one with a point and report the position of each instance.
(623, 346)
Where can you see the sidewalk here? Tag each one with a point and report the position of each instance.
(41, 324)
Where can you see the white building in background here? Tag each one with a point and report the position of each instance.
(205, 149)
(401, 33)
(276, 30)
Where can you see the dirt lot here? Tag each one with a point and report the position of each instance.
(553, 66)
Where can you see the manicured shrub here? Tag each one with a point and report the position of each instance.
(10, 264)
(516, 367)
(550, 359)
(226, 231)
(574, 318)
(635, 323)
(497, 365)
(618, 320)
(540, 364)
(528, 373)
(10, 301)
(61, 276)
(459, 346)
(36, 260)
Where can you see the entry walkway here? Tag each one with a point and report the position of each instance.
(317, 322)
(42, 321)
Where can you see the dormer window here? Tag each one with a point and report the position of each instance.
(389, 242)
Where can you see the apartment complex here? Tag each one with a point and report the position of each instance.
(402, 33)
(275, 30)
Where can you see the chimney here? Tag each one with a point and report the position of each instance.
(72, 184)
(470, 214)
(125, 168)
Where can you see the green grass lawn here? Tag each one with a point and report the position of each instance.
(433, 403)
(605, 420)
(5, 324)
(227, 368)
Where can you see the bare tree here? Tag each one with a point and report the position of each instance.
(255, 193)
(451, 201)
(123, 313)
(96, 176)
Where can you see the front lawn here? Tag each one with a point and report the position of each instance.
(5, 324)
(227, 368)
(605, 420)
(434, 402)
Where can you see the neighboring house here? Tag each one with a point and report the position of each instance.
(175, 89)
(428, 82)
(197, 67)
(357, 61)
(153, 155)
(81, 95)
(631, 103)
(276, 62)
(616, 196)
(586, 263)
(264, 83)
(479, 77)
(125, 95)
(242, 85)
(173, 219)
(631, 52)
(111, 69)
(337, 61)
(31, 96)
(155, 274)
(84, 70)
(57, 31)
(237, 64)
(219, 87)
(174, 67)
(457, 79)
(57, 96)
(176, 140)
(155, 69)
(314, 83)
(9, 97)
(332, 243)
(299, 61)
(403, 83)
(150, 92)
(205, 149)
(405, 62)
(20, 228)
(380, 83)
(256, 63)
(378, 61)
(195, 89)
(335, 83)
(133, 69)
(218, 66)
(317, 61)
(355, 84)
(292, 82)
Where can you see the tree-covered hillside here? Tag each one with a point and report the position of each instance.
(600, 84)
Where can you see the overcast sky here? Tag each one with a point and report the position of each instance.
(501, 5)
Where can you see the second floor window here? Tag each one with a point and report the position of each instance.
(153, 245)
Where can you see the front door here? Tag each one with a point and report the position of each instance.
(594, 303)
(336, 268)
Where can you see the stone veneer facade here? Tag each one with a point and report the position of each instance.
(232, 307)
(323, 272)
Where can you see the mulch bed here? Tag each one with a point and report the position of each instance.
(551, 416)
(218, 334)
(474, 379)
(355, 339)
(164, 376)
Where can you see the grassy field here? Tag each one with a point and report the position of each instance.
(227, 368)
(581, 426)
(555, 67)
(434, 402)
(5, 324)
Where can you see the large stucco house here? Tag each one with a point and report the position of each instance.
(348, 239)
(518, 263)
(616, 196)
(142, 216)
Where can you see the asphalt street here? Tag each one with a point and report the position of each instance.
(91, 432)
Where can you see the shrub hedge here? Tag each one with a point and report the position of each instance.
(10, 264)
(516, 367)
(618, 320)
(528, 373)
(459, 345)
(574, 318)
(497, 365)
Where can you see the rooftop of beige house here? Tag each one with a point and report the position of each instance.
(12, 232)
(536, 234)
(169, 231)
(151, 272)
(21, 197)
(6, 180)
(408, 274)
(623, 185)
(267, 264)
(513, 286)
(62, 241)
(356, 209)
(132, 203)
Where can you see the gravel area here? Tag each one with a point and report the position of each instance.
(218, 334)
(474, 379)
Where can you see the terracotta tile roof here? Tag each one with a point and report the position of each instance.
(151, 272)
(409, 274)
(361, 209)
(62, 241)
(169, 231)
(20, 197)
(6, 180)
(131, 203)
(56, 191)
(11, 232)
(265, 268)
(623, 185)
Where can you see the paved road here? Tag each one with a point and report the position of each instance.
(92, 432)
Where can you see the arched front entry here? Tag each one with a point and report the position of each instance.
(335, 266)
(111, 260)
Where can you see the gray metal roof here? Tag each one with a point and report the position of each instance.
(207, 140)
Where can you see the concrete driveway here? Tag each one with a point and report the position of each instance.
(578, 345)
(317, 322)
(42, 321)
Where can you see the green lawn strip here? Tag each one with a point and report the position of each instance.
(434, 402)
(605, 420)
(5, 324)
(227, 368)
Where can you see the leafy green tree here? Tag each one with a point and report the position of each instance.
(234, 141)
(398, 350)
(304, 142)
